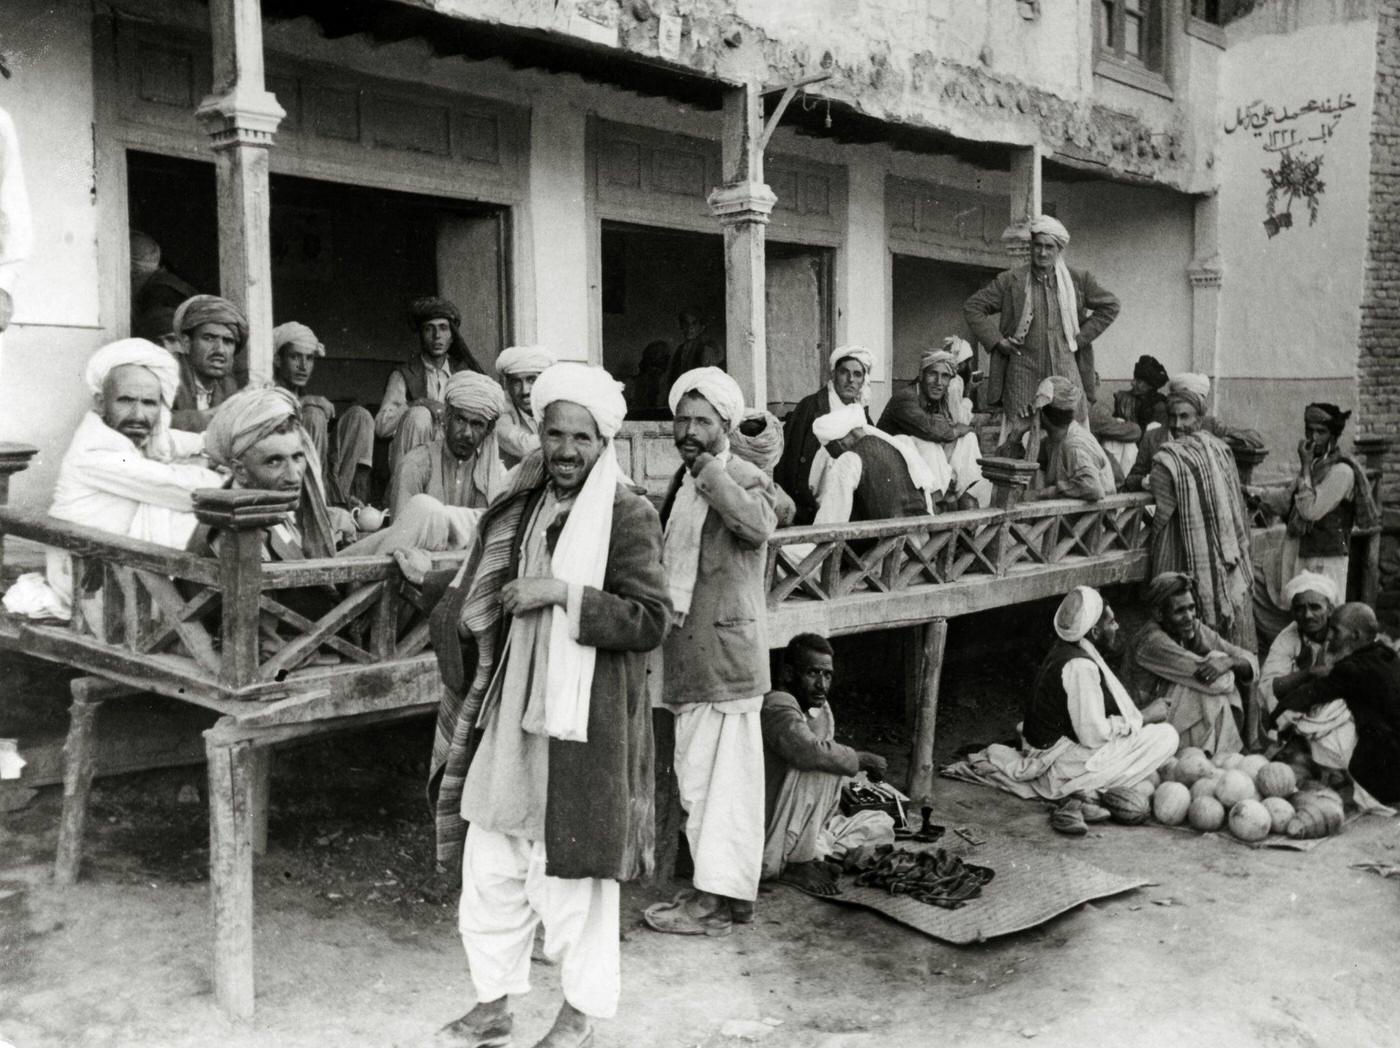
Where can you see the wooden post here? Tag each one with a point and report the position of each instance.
(1010, 478)
(1025, 199)
(742, 205)
(14, 458)
(231, 872)
(241, 116)
(79, 761)
(1372, 450)
(260, 798)
(935, 639)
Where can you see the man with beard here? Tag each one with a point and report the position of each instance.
(1190, 672)
(799, 472)
(1081, 731)
(210, 332)
(517, 433)
(805, 768)
(125, 471)
(718, 515)
(542, 761)
(1197, 388)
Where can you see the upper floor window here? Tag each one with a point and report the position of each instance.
(1131, 31)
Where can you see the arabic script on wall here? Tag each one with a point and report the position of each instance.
(1296, 141)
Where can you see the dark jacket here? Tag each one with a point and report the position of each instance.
(184, 412)
(1047, 718)
(415, 375)
(800, 446)
(789, 744)
(599, 808)
(909, 414)
(720, 651)
(993, 313)
(886, 490)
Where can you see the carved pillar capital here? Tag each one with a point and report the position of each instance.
(742, 202)
(238, 509)
(1010, 478)
(245, 116)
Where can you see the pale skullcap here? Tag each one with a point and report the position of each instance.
(1050, 227)
(246, 418)
(298, 335)
(1078, 613)
(758, 439)
(1191, 388)
(141, 353)
(1057, 392)
(524, 360)
(838, 423)
(721, 391)
(475, 394)
(1311, 582)
(859, 354)
(1167, 585)
(943, 359)
(211, 309)
(591, 388)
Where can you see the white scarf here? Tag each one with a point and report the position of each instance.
(1065, 298)
(1127, 708)
(580, 556)
(680, 553)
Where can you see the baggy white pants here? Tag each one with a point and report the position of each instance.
(506, 894)
(719, 772)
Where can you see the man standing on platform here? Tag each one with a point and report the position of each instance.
(1039, 320)
(542, 761)
(850, 371)
(718, 515)
(210, 332)
(517, 432)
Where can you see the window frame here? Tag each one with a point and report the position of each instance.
(1110, 58)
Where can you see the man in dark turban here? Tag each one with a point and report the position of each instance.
(210, 332)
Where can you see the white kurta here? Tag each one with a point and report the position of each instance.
(1328, 727)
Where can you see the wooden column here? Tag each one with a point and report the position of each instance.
(231, 872)
(79, 763)
(1372, 451)
(742, 205)
(241, 116)
(1026, 200)
(935, 640)
(14, 458)
(1205, 274)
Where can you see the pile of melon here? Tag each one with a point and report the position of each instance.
(1250, 796)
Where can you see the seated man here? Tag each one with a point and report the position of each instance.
(125, 471)
(1364, 674)
(1082, 733)
(1118, 437)
(1143, 403)
(1076, 466)
(517, 432)
(798, 471)
(872, 475)
(1197, 389)
(1190, 673)
(804, 769)
(758, 440)
(410, 412)
(933, 413)
(295, 348)
(461, 468)
(210, 333)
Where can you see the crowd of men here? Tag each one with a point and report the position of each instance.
(580, 610)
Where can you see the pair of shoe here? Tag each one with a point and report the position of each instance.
(1074, 816)
(685, 915)
(496, 1031)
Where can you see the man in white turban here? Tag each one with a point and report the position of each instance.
(718, 516)
(1192, 393)
(1039, 320)
(872, 476)
(799, 470)
(517, 432)
(126, 471)
(1081, 732)
(933, 413)
(542, 762)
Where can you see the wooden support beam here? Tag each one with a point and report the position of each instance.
(260, 796)
(789, 91)
(79, 760)
(935, 641)
(231, 874)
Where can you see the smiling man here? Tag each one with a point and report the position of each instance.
(541, 640)
(795, 473)
(210, 332)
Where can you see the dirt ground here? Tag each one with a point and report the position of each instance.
(356, 942)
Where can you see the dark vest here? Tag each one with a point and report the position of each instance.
(415, 377)
(885, 490)
(1331, 536)
(1047, 714)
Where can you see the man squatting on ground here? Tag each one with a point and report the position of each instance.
(541, 639)
(718, 517)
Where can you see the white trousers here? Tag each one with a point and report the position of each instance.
(425, 524)
(506, 894)
(416, 426)
(719, 772)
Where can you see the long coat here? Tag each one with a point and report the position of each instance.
(599, 815)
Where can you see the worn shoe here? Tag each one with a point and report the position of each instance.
(474, 1032)
(1092, 810)
(741, 911)
(1068, 819)
(680, 917)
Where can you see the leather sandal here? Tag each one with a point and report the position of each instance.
(1068, 819)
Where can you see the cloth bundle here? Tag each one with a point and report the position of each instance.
(932, 877)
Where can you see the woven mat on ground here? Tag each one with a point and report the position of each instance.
(1031, 886)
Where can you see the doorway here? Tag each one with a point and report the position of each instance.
(927, 307)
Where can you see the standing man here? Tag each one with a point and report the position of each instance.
(850, 371)
(462, 467)
(695, 349)
(933, 412)
(542, 761)
(410, 412)
(210, 333)
(718, 515)
(517, 432)
(1039, 320)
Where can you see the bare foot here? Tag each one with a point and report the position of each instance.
(815, 877)
(571, 1029)
(488, 1025)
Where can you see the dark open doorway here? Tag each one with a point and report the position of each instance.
(928, 297)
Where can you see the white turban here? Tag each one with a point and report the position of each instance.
(1311, 582)
(1078, 613)
(961, 348)
(860, 354)
(1050, 227)
(246, 418)
(524, 360)
(141, 353)
(591, 388)
(715, 386)
(1192, 388)
(477, 394)
(837, 424)
(299, 335)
